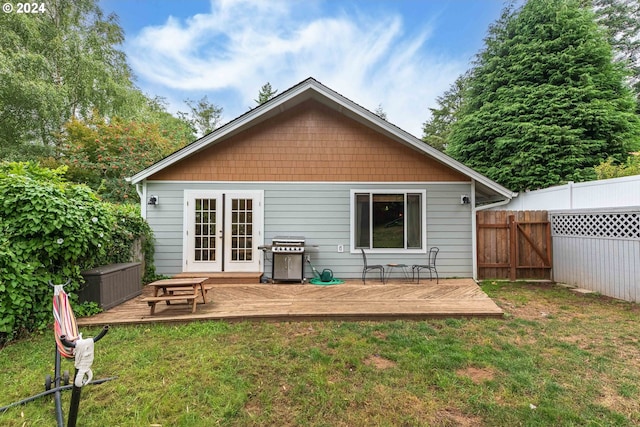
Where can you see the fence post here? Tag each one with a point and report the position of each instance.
(549, 247)
(513, 254)
(570, 188)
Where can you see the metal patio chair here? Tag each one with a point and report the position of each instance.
(431, 266)
(368, 268)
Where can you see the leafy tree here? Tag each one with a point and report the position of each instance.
(56, 65)
(154, 111)
(265, 94)
(436, 129)
(101, 153)
(545, 102)
(203, 116)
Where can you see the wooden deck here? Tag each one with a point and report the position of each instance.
(288, 302)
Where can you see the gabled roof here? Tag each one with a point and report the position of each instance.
(312, 89)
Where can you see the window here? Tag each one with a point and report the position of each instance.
(388, 220)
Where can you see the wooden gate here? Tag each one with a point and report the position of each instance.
(514, 245)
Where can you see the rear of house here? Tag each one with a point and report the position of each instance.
(312, 163)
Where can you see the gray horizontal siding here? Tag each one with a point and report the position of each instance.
(321, 213)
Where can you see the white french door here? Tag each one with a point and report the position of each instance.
(223, 230)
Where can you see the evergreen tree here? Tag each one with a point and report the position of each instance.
(621, 20)
(265, 94)
(545, 101)
(380, 112)
(436, 130)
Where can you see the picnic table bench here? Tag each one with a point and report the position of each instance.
(184, 289)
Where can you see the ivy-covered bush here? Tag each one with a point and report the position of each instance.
(130, 230)
(50, 231)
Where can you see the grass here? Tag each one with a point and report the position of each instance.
(557, 358)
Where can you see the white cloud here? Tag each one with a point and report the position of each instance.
(241, 44)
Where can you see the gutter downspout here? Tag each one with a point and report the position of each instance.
(138, 190)
(142, 193)
(474, 231)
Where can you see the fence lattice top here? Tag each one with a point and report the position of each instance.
(622, 225)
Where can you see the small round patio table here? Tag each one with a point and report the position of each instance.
(403, 267)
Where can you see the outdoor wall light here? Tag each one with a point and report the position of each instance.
(153, 200)
(465, 199)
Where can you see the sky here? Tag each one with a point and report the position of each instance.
(397, 55)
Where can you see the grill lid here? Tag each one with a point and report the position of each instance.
(288, 244)
(288, 240)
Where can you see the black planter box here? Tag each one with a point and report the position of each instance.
(112, 284)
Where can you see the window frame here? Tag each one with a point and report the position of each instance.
(405, 193)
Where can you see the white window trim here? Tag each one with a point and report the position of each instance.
(352, 226)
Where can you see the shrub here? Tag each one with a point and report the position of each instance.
(51, 230)
(612, 169)
(129, 229)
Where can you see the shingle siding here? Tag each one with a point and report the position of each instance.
(311, 143)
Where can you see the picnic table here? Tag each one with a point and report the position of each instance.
(184, 289)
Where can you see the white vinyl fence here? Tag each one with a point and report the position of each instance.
(604, 193)
(598, 250)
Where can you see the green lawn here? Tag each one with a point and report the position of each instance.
(557, 358)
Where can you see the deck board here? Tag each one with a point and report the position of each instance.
(349, 301)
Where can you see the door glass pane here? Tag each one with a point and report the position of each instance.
(241, 242)
(205, 230)
(388, 220)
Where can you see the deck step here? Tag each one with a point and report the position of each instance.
(223, 278)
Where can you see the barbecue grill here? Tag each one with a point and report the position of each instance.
(288, 259)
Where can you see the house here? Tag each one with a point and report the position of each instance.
(312, 163)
